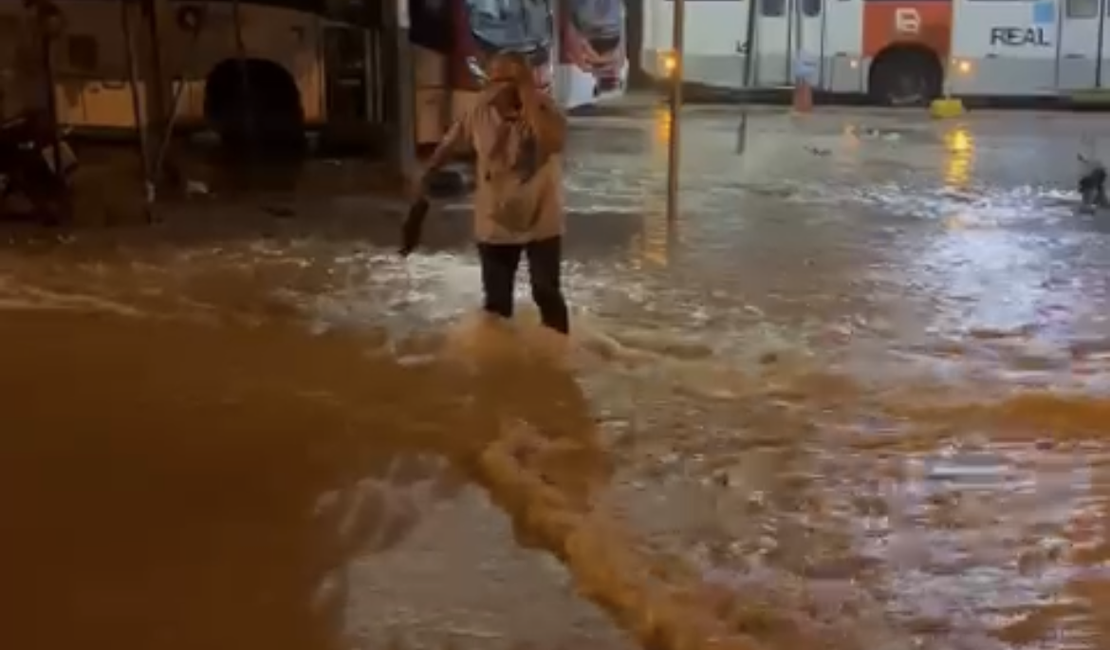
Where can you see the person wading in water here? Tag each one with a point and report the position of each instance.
(518, 134)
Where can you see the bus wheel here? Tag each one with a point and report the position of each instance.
(905, 76)
(255, 103)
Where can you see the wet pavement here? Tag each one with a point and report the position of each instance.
(854, 397)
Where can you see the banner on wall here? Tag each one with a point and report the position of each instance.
(594, 38)
(590, 33)
(510, 25)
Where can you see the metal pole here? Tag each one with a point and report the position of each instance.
(45, 13)
(171, 121)
(136, 103)
(749, 51)
(395, 27)
(675, 141)
(156, 86)
(406, 92)
(799, 46)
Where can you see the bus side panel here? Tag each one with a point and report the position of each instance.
(715, 34)
(91, 58)
(843, 40)
(287, 38)
(280, 36)
(989, 66)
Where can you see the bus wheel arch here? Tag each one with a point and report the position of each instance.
(905, 74)
(266, 94)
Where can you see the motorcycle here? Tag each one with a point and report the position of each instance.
(31, 170)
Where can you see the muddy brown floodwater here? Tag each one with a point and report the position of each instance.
(857, 397)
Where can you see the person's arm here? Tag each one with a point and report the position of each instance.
(456, 138)
(547, 122)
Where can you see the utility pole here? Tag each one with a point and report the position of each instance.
(674, 143)
(748, 48)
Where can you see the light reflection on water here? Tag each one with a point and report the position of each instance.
(844, 395)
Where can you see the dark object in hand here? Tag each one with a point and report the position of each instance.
(1092, 187)
(413, 226)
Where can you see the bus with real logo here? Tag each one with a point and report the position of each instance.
(893, 52)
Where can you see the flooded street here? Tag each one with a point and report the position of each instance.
(854, 398)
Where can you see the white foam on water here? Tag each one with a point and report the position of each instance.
(18, 296)
(969, 207)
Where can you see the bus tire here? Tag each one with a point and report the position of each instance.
(255, 103)
(905, 75)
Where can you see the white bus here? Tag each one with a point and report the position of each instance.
(308, 63)
(895, 52)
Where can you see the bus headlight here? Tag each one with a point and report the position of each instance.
(962, 66)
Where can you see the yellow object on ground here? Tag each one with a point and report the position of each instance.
(945, 108)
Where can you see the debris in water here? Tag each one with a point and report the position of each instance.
(196, 188)
(280, 211)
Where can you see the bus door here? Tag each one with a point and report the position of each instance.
(784, 30)
(346, 84)
(1079, 40)
(842, 22)
(772, 43)
(808, 44)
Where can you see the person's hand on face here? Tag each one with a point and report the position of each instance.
(507, 99)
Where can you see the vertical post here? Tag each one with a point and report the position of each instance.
(749, 50)
(674, 143)
(799, 36)
(136, 103)
(396, 23)
(156, 88)
(47, 20)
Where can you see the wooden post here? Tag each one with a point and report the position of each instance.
(674, 143)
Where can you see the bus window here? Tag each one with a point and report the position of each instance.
(1082, 8)
(772, 8)
(811, 8)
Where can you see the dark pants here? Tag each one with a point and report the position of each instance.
(545, 260)
(1092, 188)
